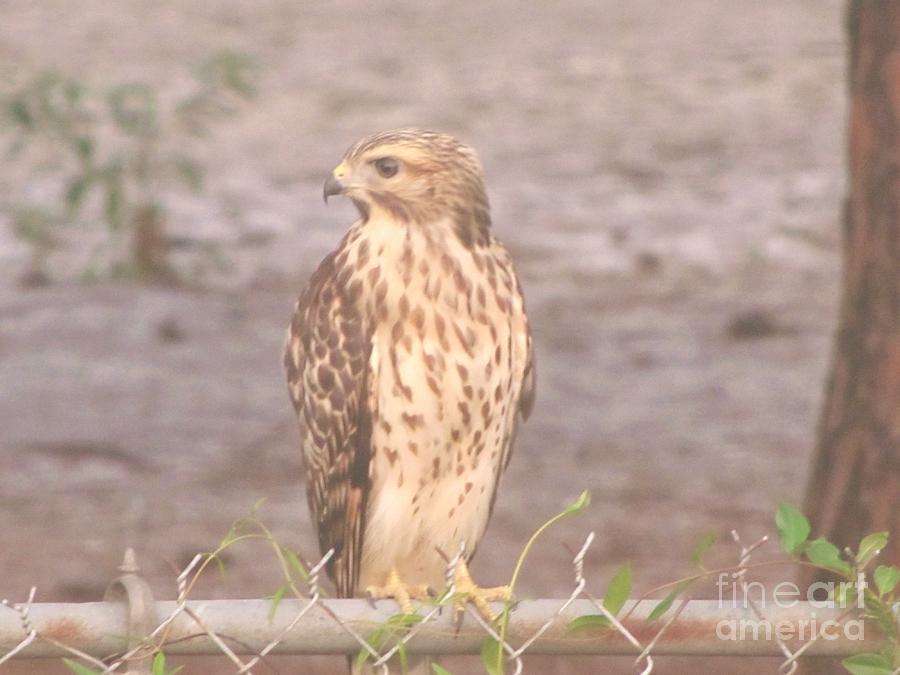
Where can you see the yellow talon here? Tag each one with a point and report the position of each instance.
(402, 592)
(480, 597)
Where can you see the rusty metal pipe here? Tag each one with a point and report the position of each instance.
(99, 628)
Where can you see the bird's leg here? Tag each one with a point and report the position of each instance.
(479, 596)
(400, 591)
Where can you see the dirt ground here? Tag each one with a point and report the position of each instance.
(668, 176)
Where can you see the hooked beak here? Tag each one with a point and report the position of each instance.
(333, 186)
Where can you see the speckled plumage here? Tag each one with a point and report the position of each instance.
(408, 359)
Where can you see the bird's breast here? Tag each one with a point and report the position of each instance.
(443, 384)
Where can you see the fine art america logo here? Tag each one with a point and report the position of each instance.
(754, 597)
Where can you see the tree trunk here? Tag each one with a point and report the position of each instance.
(855, 484)
(854, 488)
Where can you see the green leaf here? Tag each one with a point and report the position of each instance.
(663, 606)
(439, 670)
(583, 501)
(361, 657)
(404, 620)
(868, 664)
(588, 622)
(72, 91)
(21, 114)
(842, 593)
(619, 590)
(159, 665)
(492, 656)
(448, 599)
(378, 639)
(84, 147)
(705, 543)
(793, 527)
(134, 110)
(115, 200)
(57, 103)
(79, 669)
(883, 614)
(886, 578)
(76, 191)
(294, 562)
(403, 657)
(220, 564)
(276, 598)
(870, 547)
(381, 636)
(823, 553)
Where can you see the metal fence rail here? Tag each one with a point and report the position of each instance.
(99, 629)
(130, 627)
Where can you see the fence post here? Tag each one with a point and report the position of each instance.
(132, 589)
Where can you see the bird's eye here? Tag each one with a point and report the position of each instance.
(387, 167)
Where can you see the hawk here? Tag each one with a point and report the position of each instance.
(409, 363)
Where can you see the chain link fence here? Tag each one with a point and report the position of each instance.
(127, 629)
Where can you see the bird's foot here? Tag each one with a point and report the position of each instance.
(400, 591)
(478, 596)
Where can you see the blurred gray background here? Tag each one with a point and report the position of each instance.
(669, 179)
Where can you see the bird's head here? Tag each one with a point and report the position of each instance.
(415, 177)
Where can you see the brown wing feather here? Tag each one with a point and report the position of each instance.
(327, 357)
(526, 393)
(526, 398)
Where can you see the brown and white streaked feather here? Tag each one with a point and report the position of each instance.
(326, 358)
